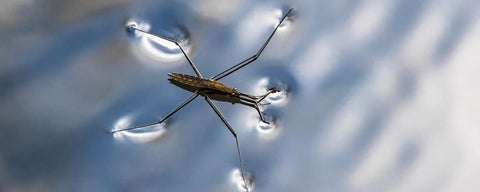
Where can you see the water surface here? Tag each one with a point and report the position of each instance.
(376, 96)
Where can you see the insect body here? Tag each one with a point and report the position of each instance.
(218, 91)
(193, 83)
(212, 89)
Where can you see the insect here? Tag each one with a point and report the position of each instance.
(212, 89)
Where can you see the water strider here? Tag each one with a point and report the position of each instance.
(212, 89)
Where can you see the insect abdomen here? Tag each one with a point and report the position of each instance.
(200, 83)
(187, 80)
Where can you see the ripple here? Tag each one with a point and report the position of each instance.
(157, 47)
(288, 20)
(141, 135)
(132, 25)
(279, 98)
(271, 130)
(265, 131)
(266, 128)
(237, 180)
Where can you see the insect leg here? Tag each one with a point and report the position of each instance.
(189, 61)
(185, 102)
(254, 101)
(230, 128)
(252, 58)
(253, 104)
(177, 44)
(261, 97)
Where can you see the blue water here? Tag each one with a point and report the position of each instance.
(376, 96)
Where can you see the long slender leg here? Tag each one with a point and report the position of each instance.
(189, 61)
(151, 34)
(252, 58)
(177, 44)
(230, 128)
(185, 102)
(255, 106)
(254, 101)
(261, 97)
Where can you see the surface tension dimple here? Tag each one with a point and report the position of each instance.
(156, 48)
(148, 134)
(279, 98)
(237, 180)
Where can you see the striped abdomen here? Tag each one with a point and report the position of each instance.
(193, 83)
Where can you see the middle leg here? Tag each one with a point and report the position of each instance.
(230, 128)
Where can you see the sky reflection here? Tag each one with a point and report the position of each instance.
(376, 96)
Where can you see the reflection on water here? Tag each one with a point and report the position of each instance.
(237, 180)
(374, 96)
(142, 135)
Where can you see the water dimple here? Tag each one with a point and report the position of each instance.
(141, 135)
(237, 179)
(266, 128)
(132, 25)
(278, 98)
(288, 20)
(158, 47)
